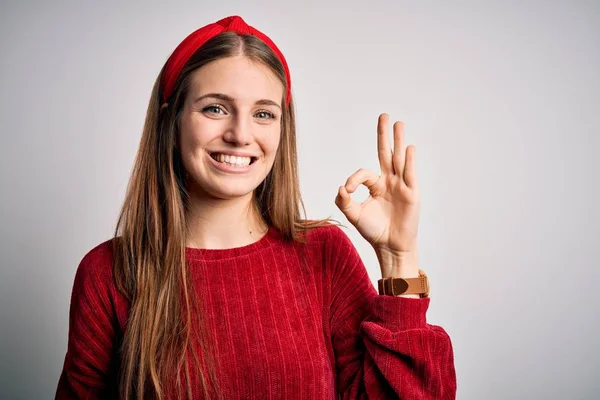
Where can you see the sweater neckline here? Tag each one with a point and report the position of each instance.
(217, 254)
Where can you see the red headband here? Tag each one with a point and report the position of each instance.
(196, 39)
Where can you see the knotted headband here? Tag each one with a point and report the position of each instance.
(196, 39)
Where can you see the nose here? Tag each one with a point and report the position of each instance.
(239, 132)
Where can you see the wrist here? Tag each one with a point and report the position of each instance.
(397, 264)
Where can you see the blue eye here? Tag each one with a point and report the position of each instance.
(213, 109)
(265, 115)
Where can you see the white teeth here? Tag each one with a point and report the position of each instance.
(233, 160)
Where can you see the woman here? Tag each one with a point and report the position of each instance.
(215, 287)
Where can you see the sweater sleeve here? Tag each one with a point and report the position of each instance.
(384, 348)
(92, 328)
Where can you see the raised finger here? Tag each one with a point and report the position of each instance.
(410, 169)
(398, 158)
(384, 151)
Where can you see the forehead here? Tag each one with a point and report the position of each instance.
(239, 77)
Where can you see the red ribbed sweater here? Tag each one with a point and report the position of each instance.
(287, 321)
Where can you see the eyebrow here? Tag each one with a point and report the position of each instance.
(230, 99)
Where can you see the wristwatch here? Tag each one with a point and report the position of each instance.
(394, 286)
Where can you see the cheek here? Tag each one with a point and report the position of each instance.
(194, 134)
(190, 144)
(273, 141)
(185, 136)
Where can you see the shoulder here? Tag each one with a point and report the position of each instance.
(95, 267)
(332, 239)
(94, 287)
(329, 233)
(340, 258)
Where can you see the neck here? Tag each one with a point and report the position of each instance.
(223, 224)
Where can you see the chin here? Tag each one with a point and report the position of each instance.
(231, 190)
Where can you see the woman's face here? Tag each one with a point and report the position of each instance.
(230, 127)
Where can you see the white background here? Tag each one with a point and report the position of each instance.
(501, 100)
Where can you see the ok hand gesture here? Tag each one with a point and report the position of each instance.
(389, 218)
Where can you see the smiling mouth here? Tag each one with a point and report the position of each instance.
(233, 160)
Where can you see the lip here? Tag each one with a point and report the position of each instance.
(230, 169)
(233, 153)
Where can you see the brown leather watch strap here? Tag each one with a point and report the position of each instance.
(396, 286)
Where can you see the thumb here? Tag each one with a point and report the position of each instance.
(349, 207)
